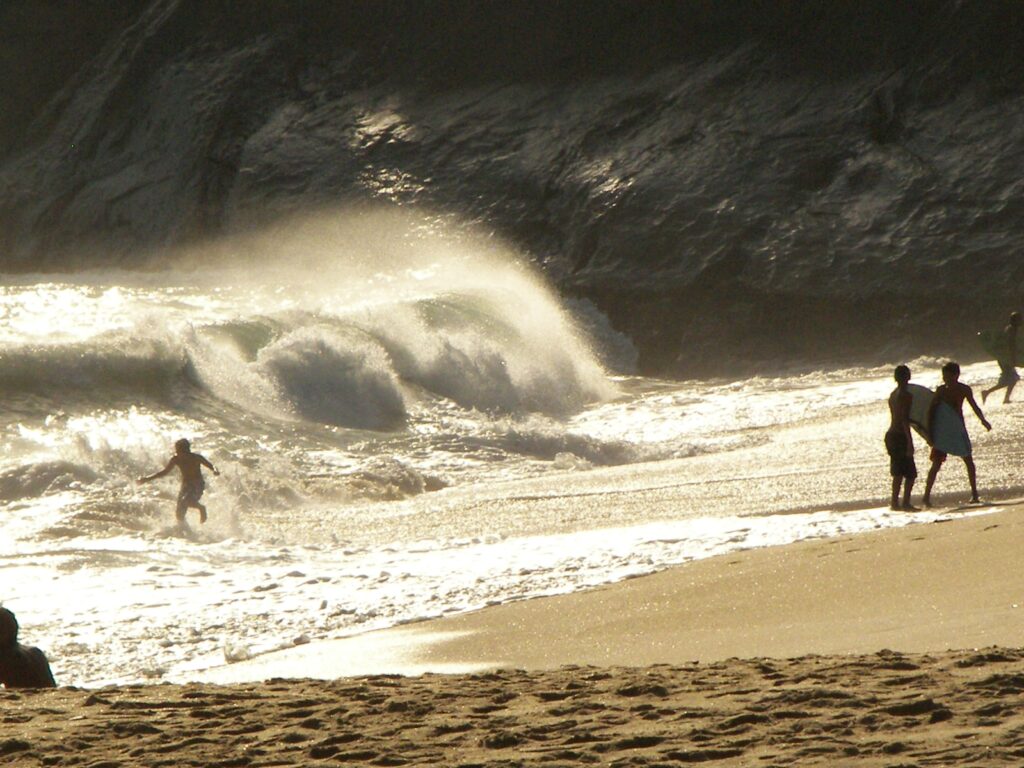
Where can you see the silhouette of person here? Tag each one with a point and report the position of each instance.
(953, 392)
(190, 465)
(899, 441)
(1008, 376)
(20, 665)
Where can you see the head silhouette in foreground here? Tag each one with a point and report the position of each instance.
(21, 666)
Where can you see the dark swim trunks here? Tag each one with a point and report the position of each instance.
(900, 464)
(1007, 375)
(190, 494)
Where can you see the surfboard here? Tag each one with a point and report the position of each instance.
(948, 432)
(920, 402)
(996, 344)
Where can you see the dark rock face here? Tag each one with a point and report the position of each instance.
(737, 185)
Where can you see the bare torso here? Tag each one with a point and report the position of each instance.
(190, 465)
(954, 394)
(899, 410)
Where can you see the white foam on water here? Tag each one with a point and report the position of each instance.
(408, 424)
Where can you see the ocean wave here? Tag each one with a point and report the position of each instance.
(506, 346)
(387, 478)
(357, 371)
(39, 478)
(549, 441)
(103, 366)
(334, 377)
(363, 369)
(615, 350)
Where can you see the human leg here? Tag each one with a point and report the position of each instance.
(1009, 391)
(189, 496)
(972, 476)
(909, 471)
(938, 457)
(1008, 377)
(180, 510)
(896, 447)
(908, 485)
(933, 472)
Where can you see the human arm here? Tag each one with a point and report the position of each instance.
(170, 465)
(206, 463)
(930, 418)
(903, 404)
(969, 397)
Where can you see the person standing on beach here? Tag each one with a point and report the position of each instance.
(899, 441)
(1008, 376)
(20, 665)
(190, 465)
(953, 392)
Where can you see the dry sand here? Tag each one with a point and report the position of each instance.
(885, 709)
(884, 606)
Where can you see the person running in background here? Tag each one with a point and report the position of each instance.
(192, 483)
(899, 441)
(20, 665)
(1008, 376)
(953, 392)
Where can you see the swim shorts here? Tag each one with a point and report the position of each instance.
(900, 464)
(190, 494)
(1007, 375)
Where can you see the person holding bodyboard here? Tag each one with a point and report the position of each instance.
(1004, 349)
(947, 430)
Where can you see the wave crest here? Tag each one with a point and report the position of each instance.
(336, 377)
(37, 479)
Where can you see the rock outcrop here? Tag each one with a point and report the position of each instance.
(738, 186)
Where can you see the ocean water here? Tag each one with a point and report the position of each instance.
(406, 425)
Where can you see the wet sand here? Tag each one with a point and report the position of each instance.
(921, 588)
(640, 673)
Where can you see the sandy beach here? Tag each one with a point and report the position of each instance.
(884, 709)
(890, 648)
(921, 588)
(506, 383)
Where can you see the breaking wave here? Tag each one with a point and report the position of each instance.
(339, 338)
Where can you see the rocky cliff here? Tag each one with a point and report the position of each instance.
(737, 185)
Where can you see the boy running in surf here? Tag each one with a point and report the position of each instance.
(1008, 376)
(953, 392)
(899, 442)
(192, 484)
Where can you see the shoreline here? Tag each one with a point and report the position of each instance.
(755, 658)
(922, 588)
